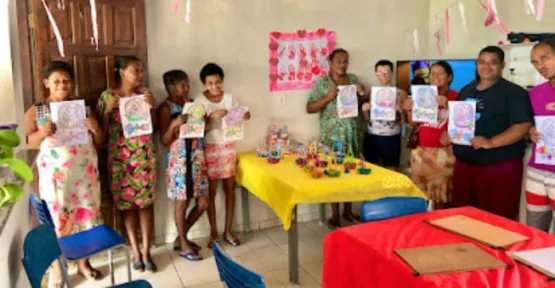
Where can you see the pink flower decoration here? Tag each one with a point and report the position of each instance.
(121, 141)
(73, 198)
(145, 177)
(124, 182)
(82, 215)
(116, 198)
(140, 202)
(143, 139)
(87, 195)
(56, 206)
(115, 186)
(73, 150)
(90, 169)
(129, 193)
(125, 153)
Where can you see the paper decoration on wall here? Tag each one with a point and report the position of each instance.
(493, 17)
(347, 101)
(135, 116)
(541, 7)
(94, 21)
(298, 59)
(175, 7)
(437, 35)
(61, 4)
(188, 12)
(462, 121)
(447, 29)
(69, 117)
(545, 148)
(233, 124)
(425, 105)
(383, 102)
(54, 29)
(415, 43)
(529, 6)
(194, 128)
(463, 17)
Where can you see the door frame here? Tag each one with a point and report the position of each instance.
(25, 53)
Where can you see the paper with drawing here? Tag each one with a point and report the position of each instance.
(194, 127)
(233, 124)
(347, 101)
(545, 148)
(383, 102)
(425, 107)
(135, 116)
(69, 117)
(462, 121)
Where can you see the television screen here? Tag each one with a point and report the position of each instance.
(417, 72)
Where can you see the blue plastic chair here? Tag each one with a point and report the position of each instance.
(391, 207)
(41, 248)
(233, 274)
(86, 243)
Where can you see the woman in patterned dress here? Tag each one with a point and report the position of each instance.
(186, 173)
(131, 161)
(68, 175)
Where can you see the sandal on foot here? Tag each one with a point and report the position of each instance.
(151, 267)
(333, 224)
(232, 240)
(94, 275)
(192, 256)
(139, 265)
(352, 218)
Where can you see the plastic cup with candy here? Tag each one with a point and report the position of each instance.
(274, 154)
(317, 173)
(301, 155)
(332, 173)
(350, 160)
(363, 170)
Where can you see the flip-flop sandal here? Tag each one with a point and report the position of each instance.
(192, 256)
(333, 224)
(233, 241)
(139, 265)
(151, 267)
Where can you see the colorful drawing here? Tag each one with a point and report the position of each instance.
(69, 117)
(194, 128)
(462, 121)
(233, 124)
(347, 101)
(425, 105)
(545, 148)
(383, 103)
(298, 59)
(135, 116)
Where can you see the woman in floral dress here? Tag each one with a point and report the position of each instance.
(186, 173)
(68, 175)
(131, 161)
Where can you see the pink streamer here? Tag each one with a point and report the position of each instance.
(94, 22)
(447, 30)
(437, 35)
(492, 16)
(541, 6)
(55, 29)
(175, 7)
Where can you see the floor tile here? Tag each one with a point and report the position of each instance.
(280, 278)
(310, 251)
(314, 270)
(280, 236)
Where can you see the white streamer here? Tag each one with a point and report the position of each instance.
(463, 17)
(415, 44)
(530, 8)
(188, 15)
(55, 29)
(94, 22)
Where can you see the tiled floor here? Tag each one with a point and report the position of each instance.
(263, 251)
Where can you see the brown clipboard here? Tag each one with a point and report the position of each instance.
(448, 259)
(490, 235)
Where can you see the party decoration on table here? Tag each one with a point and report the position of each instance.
(274, 155)
(69, 117)
(233, 124)
(347, 101)
(94, 21)
(463, 17)
(350, 160)
(363, 170)
(437, 35)
(462, 121)
(338, 153)
(332, 173)
(383, 103)
(135, 116)
(301, 156)
(425, 107)
(320, 163)
(55, 29)
(540, 9)
(298, 59)
(273, 135)
(545, 148)
(195, 125)
(317, 173)
(312, 150)
(283, 140)
(447, 29)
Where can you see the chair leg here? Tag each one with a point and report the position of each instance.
(111, 265)
(128, 263)
(65, 275)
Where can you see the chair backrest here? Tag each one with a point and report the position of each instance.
(233, 274)
(391, 207)
(41, 209)
(40, 249)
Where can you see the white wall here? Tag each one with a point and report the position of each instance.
(234, 34)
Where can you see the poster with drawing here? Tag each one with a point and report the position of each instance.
(135, 116)
(194, 127)
(425, 107)
(233, 124)
(298, 59)
(462, 121)
(383, 102)
(545, 148)
(69, 117)
(347, 101)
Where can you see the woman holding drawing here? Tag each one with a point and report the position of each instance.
(132, 160)
(68, 174)
(432, 161)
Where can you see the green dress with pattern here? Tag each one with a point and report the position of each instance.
(331, 126)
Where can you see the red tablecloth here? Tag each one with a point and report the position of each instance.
(363, 255)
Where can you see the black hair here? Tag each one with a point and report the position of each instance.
(335, 52)
(494, 50)
(121, 63)
(55, 66)
(173, 77)
(447, 67)
(209, 70)
(383, 62)
(548, 42)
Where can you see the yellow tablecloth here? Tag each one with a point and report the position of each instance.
(285, 184)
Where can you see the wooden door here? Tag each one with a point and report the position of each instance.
(122, 31)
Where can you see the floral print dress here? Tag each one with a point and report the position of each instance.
(131, 162)
(68, 182)
(332, 127)
(183, 185)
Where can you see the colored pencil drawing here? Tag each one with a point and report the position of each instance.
(462, 121)
(383, 103)
(545, 148)
(69, 117)
(233, 124)
(425, 105)
(194, 128)
(135, 116)
(347, 101)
